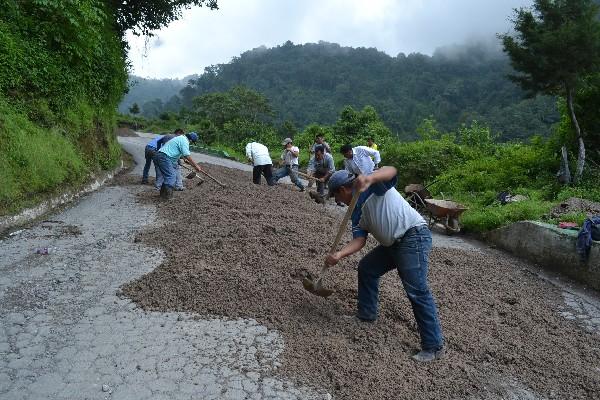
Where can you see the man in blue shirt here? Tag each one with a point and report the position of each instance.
(166, 159)
(159, 176)
(405, 243)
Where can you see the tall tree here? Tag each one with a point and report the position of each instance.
(145, 16)
(134, 109)
(557, 44)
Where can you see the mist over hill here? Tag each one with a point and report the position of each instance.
(313, 82)
(143, 90)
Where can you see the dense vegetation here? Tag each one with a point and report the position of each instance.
(467, 164)
(63, 72)
(311, 83)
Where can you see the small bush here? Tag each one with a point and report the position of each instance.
(422, 161)
(481, 219)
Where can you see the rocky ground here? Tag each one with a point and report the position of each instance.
(121, 296)
(576, 205)
(242, 251)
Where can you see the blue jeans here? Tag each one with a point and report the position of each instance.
(167, 168)
(409, 256)
(149, 153)
(292, 171)
(160, 178)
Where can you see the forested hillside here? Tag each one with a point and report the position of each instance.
(153, 95)
(313, 82)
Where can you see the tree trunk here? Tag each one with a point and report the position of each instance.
(564, 174)
(581, 145)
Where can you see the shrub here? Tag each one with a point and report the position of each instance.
(422, 161)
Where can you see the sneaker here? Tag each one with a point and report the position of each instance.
(316, 197)
(302, 189)
(429, 355)
(144, 182)
(180, 189)
(356, 318)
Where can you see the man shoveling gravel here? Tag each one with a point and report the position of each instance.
(405, 243)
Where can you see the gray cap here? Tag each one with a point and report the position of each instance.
(339, 178)
(286, 141)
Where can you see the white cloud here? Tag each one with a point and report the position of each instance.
(204, 37)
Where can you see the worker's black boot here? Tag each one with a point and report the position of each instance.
(164, 192)
(169, 192)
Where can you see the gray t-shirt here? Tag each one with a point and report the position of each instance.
(383, 212)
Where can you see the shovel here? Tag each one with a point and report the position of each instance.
(316, 286)
(193, 174)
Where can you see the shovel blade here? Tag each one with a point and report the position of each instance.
(316, 288)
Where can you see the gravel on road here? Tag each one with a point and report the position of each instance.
(242, 251)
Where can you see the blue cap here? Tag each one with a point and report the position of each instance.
(339, 178)
(192, 136)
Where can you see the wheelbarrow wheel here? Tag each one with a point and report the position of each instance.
(452, 225)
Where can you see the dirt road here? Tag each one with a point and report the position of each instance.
(218, 273)
(242, 252)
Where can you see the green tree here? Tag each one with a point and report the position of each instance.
(239, 103)
(557, 44)
(288, 129)
(476, 135)
(134, 109)
(145, 16)
(357, 126)
(427, 129)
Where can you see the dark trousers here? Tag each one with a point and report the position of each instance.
(320, 173)
(149, 153)
(265, 170)
(410, 257)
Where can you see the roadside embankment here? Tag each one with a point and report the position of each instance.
(551, 248)
(28, 215)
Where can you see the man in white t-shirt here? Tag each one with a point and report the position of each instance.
(261, 160)
(289, 159)
(404, 245)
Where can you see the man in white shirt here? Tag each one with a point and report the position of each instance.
(289, 159)
(261, 160)
(405, 243)
(358, 159)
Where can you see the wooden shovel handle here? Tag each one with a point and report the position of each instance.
(213, 178)
(207, 174)
(305, 176)
(342, 227)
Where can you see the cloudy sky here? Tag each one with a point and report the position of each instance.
(204, 37)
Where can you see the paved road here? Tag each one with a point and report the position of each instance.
(66, 334)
